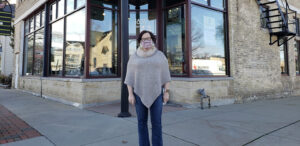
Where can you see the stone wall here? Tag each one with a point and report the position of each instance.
(255, 65)
(78, 92)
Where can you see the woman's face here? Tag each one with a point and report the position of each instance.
(146, 41)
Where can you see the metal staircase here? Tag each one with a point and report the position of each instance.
(279, 19)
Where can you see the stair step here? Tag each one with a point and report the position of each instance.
(272, 16)
(267, 3)
(275, 21)
(271, 10)
(276, 27)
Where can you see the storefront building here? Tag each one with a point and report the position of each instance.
(70, 50)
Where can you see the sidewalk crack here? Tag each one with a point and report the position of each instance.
(268, 133)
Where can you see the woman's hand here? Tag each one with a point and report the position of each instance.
(131, 99)
(166, 97)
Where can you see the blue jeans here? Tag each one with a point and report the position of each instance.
(142, 117)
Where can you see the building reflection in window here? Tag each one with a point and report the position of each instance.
(208, 49)
(142, 20)
(56, 54)
(75, 42)
(132, 46)
(175, 40)
(39, 52)
(29, 54)
(103, 42)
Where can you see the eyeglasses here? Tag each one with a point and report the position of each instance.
(146, 39)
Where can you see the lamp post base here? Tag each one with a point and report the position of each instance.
(124, 114)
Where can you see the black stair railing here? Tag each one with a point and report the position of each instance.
(276, 19)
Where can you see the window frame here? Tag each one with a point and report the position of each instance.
(226, 37)
(286, 59)
(160, 8)
(298, 55)
(33, 32)
(89, 6)
(64, 18)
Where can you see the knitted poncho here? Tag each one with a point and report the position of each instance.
(147, 75)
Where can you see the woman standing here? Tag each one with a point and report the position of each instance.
(147, 75)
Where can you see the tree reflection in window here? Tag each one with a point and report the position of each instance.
(208, 49)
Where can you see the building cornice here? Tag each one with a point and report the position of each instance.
(30, 11)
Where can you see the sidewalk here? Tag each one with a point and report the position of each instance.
(268, 122)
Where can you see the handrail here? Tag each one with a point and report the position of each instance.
(282, 16)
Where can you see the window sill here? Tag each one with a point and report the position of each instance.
(201, 79)
(73, 79)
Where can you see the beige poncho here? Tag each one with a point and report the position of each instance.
(147, 75)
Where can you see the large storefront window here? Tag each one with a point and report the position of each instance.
(192, 35)
(175, 40)
(103, 42)
(34, 45)
(75, 42)
(56, 51)
(67, 39)
(208, 43)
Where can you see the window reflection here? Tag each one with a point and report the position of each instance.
(103, 42)
(132, 46)
(80, 3)
(201, 1)
(61, 8)
(26, 27)
(56, 54)
(31, 25)
(37, 21)
(283, 59)
(43, 18)
(297, 56)
(75, 42)
(217, 3)
(38, 52)
(175, 40)
(208, 50)
(141, 20)
(53, 12)
(70, 5)
(29, 54)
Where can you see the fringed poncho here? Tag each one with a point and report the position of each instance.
(147, 75)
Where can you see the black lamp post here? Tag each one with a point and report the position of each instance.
(125, 56)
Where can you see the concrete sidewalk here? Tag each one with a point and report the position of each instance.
(268, 122)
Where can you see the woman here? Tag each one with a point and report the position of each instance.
(147, 75)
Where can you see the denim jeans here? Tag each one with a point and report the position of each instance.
(142, 117)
